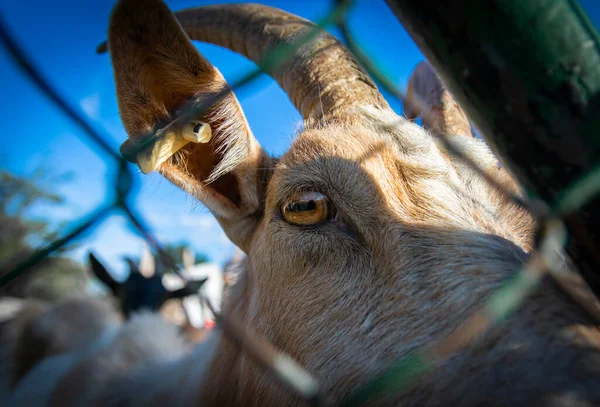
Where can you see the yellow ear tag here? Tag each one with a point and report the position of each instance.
(167, 142)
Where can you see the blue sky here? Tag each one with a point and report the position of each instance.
(61, 40)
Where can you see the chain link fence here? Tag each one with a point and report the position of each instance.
(552, 236)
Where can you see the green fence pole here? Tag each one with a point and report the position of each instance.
(527, 72)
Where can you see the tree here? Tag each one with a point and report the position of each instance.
(56, 275)
(175, 250)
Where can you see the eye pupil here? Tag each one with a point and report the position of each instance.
(302, 206)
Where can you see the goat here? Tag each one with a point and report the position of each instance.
(85, 317)
(365, 241)
(145, 287)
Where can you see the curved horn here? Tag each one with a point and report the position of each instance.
(320, 76)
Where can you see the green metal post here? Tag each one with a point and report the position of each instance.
(527, 72)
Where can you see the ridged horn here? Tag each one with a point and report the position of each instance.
(320, 76)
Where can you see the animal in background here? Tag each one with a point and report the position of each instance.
(143, 289)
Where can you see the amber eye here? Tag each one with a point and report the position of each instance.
(308, 208)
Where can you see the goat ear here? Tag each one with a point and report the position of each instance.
(102, 273)
(190, 288)
(428, 97)
(157, 72)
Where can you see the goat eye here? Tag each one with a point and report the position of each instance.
(309, 208)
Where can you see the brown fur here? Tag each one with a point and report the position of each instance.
(420, 243)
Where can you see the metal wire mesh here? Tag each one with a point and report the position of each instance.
(399, 375)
